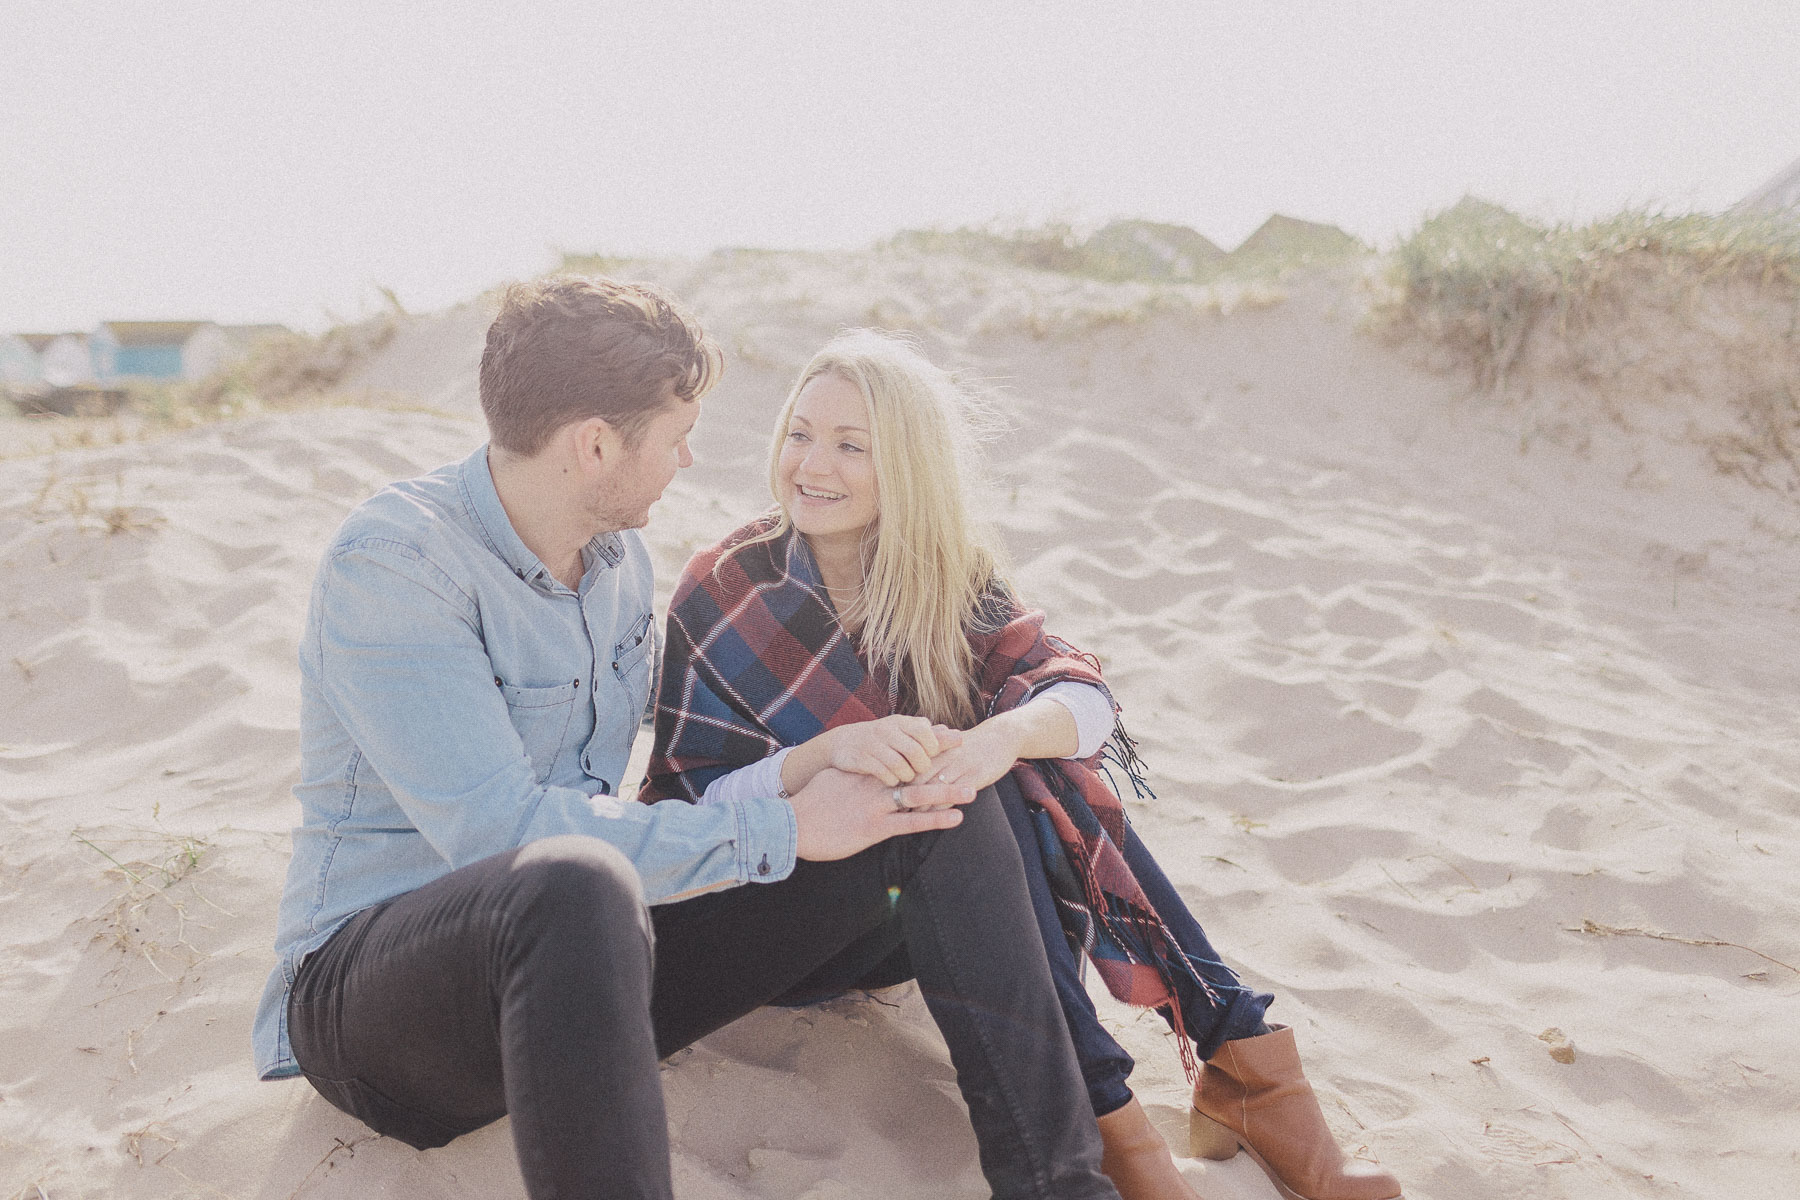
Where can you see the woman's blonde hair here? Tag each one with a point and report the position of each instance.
(926, 563)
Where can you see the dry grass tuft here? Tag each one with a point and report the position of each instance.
(141, 1143)
(59, 498)
(149, 918)
(1596, 929)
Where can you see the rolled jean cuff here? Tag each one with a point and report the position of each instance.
(1243, 1015)
(1108, 1095)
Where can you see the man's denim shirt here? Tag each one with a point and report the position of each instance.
(458, 701)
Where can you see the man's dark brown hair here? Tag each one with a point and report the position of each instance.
(572, 347)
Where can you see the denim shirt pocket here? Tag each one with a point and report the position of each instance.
(541, 715)
(632, 660)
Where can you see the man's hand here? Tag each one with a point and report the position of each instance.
(841, 814)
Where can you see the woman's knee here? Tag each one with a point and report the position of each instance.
(985, 817)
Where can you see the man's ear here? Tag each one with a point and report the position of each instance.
(596, 443)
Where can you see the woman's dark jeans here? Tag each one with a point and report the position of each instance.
(527, 984)
(1104, 1063)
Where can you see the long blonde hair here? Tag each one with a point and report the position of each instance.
(926, 563)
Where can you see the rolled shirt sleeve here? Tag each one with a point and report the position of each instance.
(760, 778)
(1093, 712)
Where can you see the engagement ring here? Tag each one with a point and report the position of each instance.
(899, 804)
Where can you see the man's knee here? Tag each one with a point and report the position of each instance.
(575, 884)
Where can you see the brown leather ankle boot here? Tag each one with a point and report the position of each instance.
(1253, 1094)
(1137, 1159)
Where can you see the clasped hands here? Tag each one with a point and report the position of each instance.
(876, 779)
(902, 750)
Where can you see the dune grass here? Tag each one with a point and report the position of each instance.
(1052, 246)
(614, 265)
(293, 365)
(1695, 316)
(1478, 277)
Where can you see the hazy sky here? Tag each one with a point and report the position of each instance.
(250, 161)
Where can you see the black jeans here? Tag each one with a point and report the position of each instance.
(1236, 1012)
(526, 984)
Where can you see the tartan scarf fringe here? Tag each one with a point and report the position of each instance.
(1128, 922)
(1121, 751)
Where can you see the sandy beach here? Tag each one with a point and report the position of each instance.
(1469, 713)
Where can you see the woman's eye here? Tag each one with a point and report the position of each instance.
(851, 447)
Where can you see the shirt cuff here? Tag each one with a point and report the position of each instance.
(768, 839)
(760, 778)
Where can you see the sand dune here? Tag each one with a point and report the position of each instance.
(1456, 742)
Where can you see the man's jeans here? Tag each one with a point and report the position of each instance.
(1104, 1063)
(526, 984)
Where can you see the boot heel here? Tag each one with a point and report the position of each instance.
(1209, 1139)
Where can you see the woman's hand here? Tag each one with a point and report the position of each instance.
(894, 749)
(1040, 728)
(988, 751)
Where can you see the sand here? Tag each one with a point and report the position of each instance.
(1471, 731)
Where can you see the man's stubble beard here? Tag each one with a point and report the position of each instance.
(607, 512)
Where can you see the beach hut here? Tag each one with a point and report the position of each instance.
(1777, 195)
(1134, 249)
(1282, 242)
(157, 349)
(19, 360)
(63, 358)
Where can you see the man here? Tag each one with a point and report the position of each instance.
(474, 924)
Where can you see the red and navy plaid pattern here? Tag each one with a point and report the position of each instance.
(755, 660)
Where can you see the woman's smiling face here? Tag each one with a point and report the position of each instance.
(826, 473)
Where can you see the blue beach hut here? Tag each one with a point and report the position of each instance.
(156, 349)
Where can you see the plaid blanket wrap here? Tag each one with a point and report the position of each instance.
(755, 660)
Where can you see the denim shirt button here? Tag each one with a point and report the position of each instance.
(763, 868)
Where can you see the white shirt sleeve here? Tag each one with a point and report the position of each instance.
(1092, 710)
(760, 779)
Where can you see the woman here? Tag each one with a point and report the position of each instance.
(864, 625)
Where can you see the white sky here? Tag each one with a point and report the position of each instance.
(250, 161)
